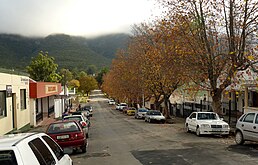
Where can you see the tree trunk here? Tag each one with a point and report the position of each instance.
(166, 112)
(216, 102)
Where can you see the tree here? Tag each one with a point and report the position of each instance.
(219, 35)
(100, 75)
(66, 76)
(87, 83)
(74, 83)
(43, 68)
(91, 69)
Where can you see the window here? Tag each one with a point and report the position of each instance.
(249, 118)
(256, 120)
(56, 149)
(193, 116)
(42, 153)
(23, 98)
(3, 103)
(7, 157)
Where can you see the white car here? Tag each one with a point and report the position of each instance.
(31, 148)
(247, 128)
(121, 106)
(206, 123)
(140, 113)
(84, 121)
(111, 102)
(154, 116)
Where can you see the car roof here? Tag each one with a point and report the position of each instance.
(63, 121)
(10, 140)
(204, 112)
(73, 116)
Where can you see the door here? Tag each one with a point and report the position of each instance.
(14, 112)
(248, 126)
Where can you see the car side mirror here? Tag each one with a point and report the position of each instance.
(222, 118)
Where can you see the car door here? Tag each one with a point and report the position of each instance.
(254, 133)
(192, 121)
(247, 126)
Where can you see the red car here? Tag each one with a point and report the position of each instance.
(68, 134)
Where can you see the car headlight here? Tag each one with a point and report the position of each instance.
(205, 125)
(225, 126)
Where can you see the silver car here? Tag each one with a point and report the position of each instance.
(140, 113)
(247, 128)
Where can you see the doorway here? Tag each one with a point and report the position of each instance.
(14, 112)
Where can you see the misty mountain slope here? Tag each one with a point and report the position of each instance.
(69, 51)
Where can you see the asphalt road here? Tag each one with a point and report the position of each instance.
(117, 139)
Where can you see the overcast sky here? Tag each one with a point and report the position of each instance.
(74, 17)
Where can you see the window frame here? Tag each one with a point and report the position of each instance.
(244, 120)
(41, 152)
(23, 99)
(3, 111)
(57, 150)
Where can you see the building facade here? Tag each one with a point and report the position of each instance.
(42, 100)
(14, 102)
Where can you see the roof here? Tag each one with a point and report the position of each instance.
(11, 139)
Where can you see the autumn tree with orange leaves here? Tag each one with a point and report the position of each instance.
(150, 66)
(221, 37)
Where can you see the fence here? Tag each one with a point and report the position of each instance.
(229, 110)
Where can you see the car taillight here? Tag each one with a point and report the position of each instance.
(84, 124)
(79, 135)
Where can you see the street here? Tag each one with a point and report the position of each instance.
(117, 139)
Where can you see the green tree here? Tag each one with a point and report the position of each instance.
(100, 75)
(66, 76)
(91, 69)
(43, 68)
(87, 83)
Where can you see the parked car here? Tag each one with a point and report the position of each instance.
(206, 123)
(88, 108)
(68, 134)
(154, 116)
(130, 111)
(140, 113)
(121, 106)
(124, 109)
(31, 148)
(111, 102)
(84, 121)
(247, 128)
(117, 106)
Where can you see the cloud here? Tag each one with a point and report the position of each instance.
(76, 17)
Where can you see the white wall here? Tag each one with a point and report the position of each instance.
(22, 116)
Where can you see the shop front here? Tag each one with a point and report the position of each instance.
(42, 100)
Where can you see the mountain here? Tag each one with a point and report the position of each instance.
(69, 51)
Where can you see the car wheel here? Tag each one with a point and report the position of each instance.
(187, 128)
(198, 133)
(239, 138)
(84, 148)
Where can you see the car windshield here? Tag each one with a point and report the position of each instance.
(143, 110)
(157, 113)
(77, 118)
(207, 116)
(62, 127)
(7, 157)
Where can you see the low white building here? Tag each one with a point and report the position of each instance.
(14, 102)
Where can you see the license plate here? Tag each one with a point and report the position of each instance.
(216, 130)
(62, 137)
